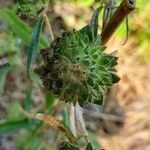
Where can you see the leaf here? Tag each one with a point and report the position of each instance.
(27, 102)
(92, 139)
(67, 146)
(115, 78)
(32, 52)
(11, 126)
(92, 28)
(35, 143)
(94, 22)
(3, 73)
(32, 139)
(65, 115)
(50, 100)
(89, 147)
(86, 30)
(57, 124)
(20, 28)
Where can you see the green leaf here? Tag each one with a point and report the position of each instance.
(89, 147)
(32, 139)
(94, 22)
(65, 115)
(20, 28)
(50, 100)
(32, 52)
(92, 28)
(86, 30)
(14, 111)
(35, 143)
(115, 78)
(27, 102)
(3, 74)
(11, 126)
(92, 139)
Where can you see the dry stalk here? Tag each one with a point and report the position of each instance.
(124, 9)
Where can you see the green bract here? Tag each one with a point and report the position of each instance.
(76, 69)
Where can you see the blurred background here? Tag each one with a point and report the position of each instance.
(132, 93)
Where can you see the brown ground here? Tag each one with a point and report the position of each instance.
(134, 96)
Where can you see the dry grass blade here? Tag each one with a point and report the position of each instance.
(57, 124)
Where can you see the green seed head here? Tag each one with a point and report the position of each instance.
(76, 69)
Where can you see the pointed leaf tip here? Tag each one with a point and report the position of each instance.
(94, 22)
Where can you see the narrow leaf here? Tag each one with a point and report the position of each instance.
(32, 52)
(3, 74)
(11, 126)
(65, 115)
(57, 124)
(27, 102)
(94, 22)
(50, 100)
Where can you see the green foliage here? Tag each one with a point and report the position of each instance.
(77, 69)
(30, 8)
(94, 23)
(3, 73)
(84, 2)
(27, 102)
(89, 147)
(50, 99)
(93, 140)
(32, 52)
(20, 28)
(67, 146)
(12, 126)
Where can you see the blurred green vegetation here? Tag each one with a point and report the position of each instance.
(15, 37)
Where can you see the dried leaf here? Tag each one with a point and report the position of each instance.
(57, 124)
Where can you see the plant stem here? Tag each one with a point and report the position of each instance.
(49, 27)
(124, 9)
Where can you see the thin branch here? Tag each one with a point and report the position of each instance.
(49, 27)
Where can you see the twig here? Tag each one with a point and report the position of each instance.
(124, 9)
(49, 27)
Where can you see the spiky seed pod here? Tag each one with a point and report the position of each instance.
(76, 69)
